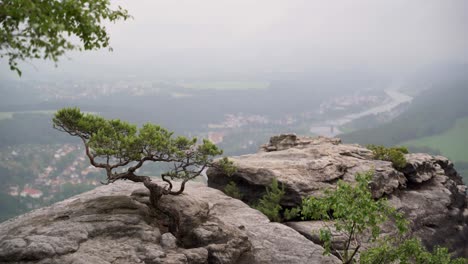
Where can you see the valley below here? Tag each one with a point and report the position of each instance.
(39, 165)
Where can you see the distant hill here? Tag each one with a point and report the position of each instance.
(436, 122)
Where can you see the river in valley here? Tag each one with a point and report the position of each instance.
(330, 128)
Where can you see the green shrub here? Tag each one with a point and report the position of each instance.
(269, 204)
(408, 251)
(232, 190)
(396, 155)
(292, 213)
(354, 213)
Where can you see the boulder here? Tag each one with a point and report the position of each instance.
(114, 224)
(306, 169)
(271, 242)
(428, 190)
(435, 202)
(311, 230)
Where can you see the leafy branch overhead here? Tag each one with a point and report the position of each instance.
(121, 149)
(32, 29)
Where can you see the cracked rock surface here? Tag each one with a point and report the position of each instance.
(114, 224)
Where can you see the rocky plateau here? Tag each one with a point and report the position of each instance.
(428, 189)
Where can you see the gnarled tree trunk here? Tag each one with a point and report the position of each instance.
(156, 193)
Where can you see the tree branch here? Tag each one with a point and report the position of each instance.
(350, 237)
(182, 188)
(352, 255)
(163, 177)
(91, 158)
(121, 164)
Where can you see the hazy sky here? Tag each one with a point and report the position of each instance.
(200, 37)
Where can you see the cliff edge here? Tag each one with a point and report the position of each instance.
(428, 189)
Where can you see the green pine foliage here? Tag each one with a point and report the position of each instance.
(290, 214)
(396, 155)
(119, 142)
(120, 148)
(233, 191)
(227, 166)
(269, 204)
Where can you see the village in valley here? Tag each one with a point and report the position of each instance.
(42, 172)
(39, 170)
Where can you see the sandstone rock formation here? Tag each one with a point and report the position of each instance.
(114, 224)
(428, 190)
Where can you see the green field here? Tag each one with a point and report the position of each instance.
(226, 85)
(452, 143)
(9, 115)
(6, 115)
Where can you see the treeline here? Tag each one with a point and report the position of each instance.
(431, 113)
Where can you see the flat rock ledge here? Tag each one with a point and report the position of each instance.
(428, 190)
(114, 224)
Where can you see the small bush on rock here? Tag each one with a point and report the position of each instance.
(269, 204)
(408, 251)
(233, 191)
(396, 155)
(292, 213)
